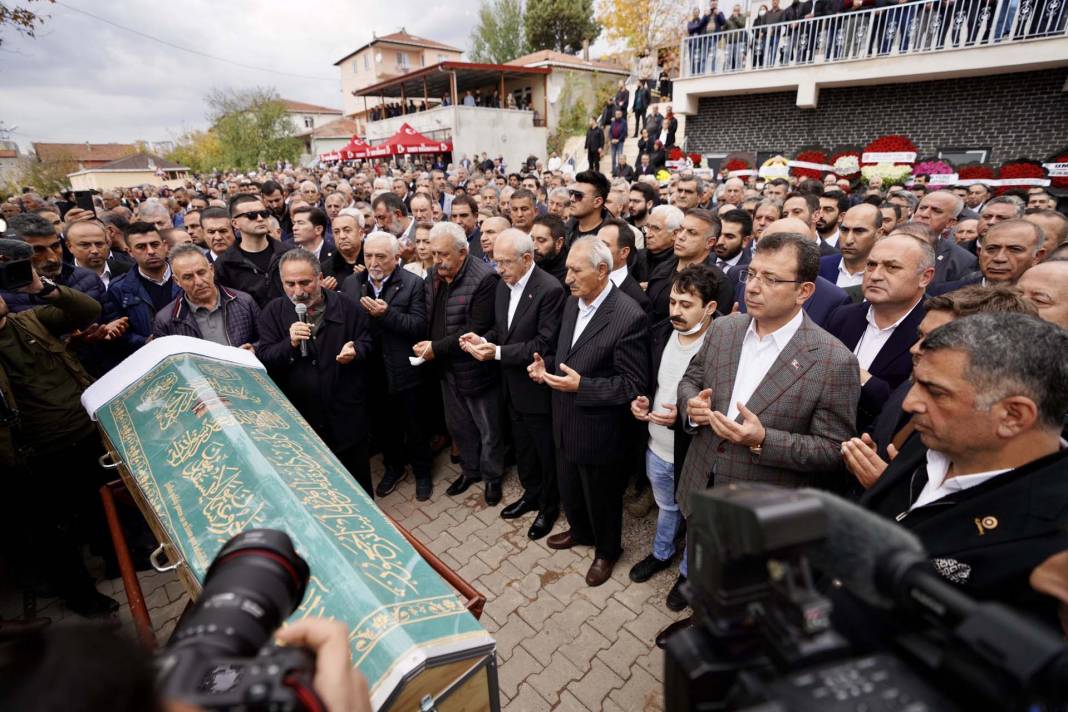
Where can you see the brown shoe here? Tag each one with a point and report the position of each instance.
(662, 636)
(600, 571)
(563, 540)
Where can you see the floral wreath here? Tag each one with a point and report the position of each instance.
(1019, 168)
(893, 143)
(811, 154)
(1059, 181)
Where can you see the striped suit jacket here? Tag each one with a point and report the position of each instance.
(593, 425)
(807, 403)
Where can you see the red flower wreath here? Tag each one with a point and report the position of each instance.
(1019, 168)
(695, 158)
(675, 154)
(1059, 181)
(737, 164)
(810, 156)
(975, 171)
(847, 152)
(894, 143)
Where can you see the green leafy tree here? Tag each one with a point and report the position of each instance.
(45, 177)
(197, 150)
(561, 25)
(251, 126)
(498, 37)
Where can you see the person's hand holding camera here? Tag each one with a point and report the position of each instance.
(340, 686)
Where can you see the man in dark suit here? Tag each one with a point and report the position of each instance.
(938, 211)
(327, 385)
(601, 364)
(982, 481)
(395, 301)
(806, 208)
(594, 145)
(881, 330)
(617, 235)
(694, 243)
(310, 232)
(732, 247)
(465, 214)
(1007, 250)
(857, 231)
(770, 396)
(825, 298)
(527, 311)
(88, 243)
(550, 246)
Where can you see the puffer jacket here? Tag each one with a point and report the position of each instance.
(469, 307)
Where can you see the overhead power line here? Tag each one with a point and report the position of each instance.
(197, 52)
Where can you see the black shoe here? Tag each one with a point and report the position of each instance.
(675, 600)
(517, 509)
(389, 482)
(92, 604)
(543, 524)
(460, 485)
(647, 568)
(424, 487)
(493, 493)
(676, 627)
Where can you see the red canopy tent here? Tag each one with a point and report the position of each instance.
(408, 140)
(353, 148)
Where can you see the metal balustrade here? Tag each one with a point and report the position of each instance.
(905, 28)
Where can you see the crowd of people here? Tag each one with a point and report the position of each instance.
(839, 29)
(903, 347)
(656, 133)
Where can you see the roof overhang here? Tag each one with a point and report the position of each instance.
(469, 75)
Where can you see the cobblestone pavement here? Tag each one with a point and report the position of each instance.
(561, 645)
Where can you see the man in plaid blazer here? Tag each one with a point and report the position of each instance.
(770, 397)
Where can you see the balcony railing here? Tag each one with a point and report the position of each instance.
(908, 28)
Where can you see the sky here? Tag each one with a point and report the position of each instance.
(82, 79)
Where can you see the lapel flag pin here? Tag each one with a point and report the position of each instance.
(796, 365)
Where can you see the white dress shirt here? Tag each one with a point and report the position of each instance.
(161, 281)
(874, 339)
(618, 275)
(758, 355)
(727, 264)
(586, 312)
(833, 239)
(515, 295)
(938, 486)
(104, 276)
(847, 278)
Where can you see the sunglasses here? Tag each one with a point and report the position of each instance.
(254, 214)
(576, 194)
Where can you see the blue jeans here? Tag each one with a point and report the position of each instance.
(662, 481)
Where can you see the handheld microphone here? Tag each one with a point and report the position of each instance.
(302, 314)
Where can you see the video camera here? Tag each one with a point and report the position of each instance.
(763, 637)
(218, 657)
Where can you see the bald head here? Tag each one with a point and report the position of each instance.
(785, 225)
(1046, 286)
(866, 212)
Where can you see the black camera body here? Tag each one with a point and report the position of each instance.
(272, 680)
(219, 656)
(16, 266)
(763, 638)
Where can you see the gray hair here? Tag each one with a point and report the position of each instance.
(391, 240)
(1016, 203)
(599, 254)
(1039, 234)
(673, 216)
(958, 202)
(693, 177)
(453, 230)
(299, 254)
(520, 241)
(1011, 355)
(152, 207)
(560, 194)
(352, 213)
(913, 201)
(308, 182)
(186, 251)
(491, 188)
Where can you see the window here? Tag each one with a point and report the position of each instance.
(958, 156)
(367, 61)
(309, 122)
(355, 67)
(422, 60)
(442, 58)
(402, 60)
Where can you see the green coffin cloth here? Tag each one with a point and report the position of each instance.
(215, 448)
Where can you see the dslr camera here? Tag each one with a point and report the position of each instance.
(219, 656)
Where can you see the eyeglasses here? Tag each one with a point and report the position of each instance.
(756, 277)
(254, 214)
(576, 194)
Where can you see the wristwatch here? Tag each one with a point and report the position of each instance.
(48, 288)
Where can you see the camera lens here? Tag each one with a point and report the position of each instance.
(256, 581)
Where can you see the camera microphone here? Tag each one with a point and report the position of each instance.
(302, 315)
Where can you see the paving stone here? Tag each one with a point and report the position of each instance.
(564, 586)
(622, 654)
(540, 609)
(496, 553)
(595, 685)
(510, 634)
(569, 703)
(650, 622)
(611, 620)
(528, 700)
(635, 596)
(501, 606)
(639, 692)
(582, 650)
(499, 579)
(515, 670)
(553, 678)
(473, 569)
(653, 663)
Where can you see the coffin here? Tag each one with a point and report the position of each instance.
(209, 447)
